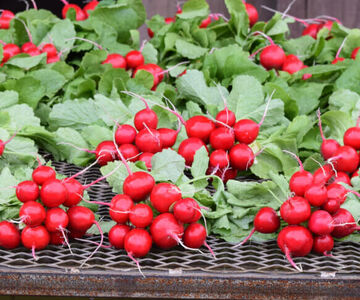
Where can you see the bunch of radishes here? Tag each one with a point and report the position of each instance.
(226, 139)
(80, 13)
(316, 201)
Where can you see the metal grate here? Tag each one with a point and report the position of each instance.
(253, 257)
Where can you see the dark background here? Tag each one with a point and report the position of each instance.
(345, 10)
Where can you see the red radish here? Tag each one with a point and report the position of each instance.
(352, 136)
(56, 219)
(138, 186)
(301, 180)
(166, 231)
(130, 152)
(164, 195)
(117, 235)
(152, 69)
(32, 213)
(50, 50)
(222, 138)
(75, 192)
(9, 50)
(195, 236)
(311, 30)
(342, 177)
(246, 130)
(187, 210)
(252, 13)
(42, 174)
(225, 116)
(306, 76)
(28, 46)
(328, 147)
(272, 56)
(9, 235)
(321, 222)
(336, 191)
(188, 148)
(120, 207)
(225, 174)
(134, 59)
(141, 215)
(125, 134)
(3, 144)
(53, 193)
(35, 238)
(295, 241)
(336, 60)
(323, 174)
(331, 205)
(150, 33)
(146, 158)
(5, 23)
(56, 238)
(295, 210)
(265, 221)
(292, 64)
(219, 159)
(148, 140)
(105, 152)
(241, 157)
(345, 159)
(90, 6)
(206, 22)
(199, 127)
(169, 20)
(80, 14)
(27, 191)
(33, 52)
(145, 118)
(73, 234)
(344, 224)
(316, 194)
(7, 14)
(167, 137)
(355, 52)
(323, 244)
(117, 61)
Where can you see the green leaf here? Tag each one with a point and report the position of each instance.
(30, 90)
(239, 21)
(350, 78)
(27, 62)
(200, 163)
(194, 8)
(338, 122)
(96, 134)
(167, 165)
(189, 50)
(21, 115)
(8, 98)
(51, 80)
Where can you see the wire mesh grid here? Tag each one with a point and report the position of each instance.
(252, 257)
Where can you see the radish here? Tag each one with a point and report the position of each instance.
(301, 180)
(292, 64)
(80, 14)
(342, 177)
(125, 134)
(306, 76)
(130, 152)
(188, 148)
(56, 238)
(50, 50)
(336, 191)
(153, 70)
(27, 191)
(146, 158)
(56, 219)
(167, 137)
(117, 61)
(331, 205)
(344, 224)
(266, 221)
(311, 30)
(241, 157)
(205, 23)
(148, 140)
(355, 52)
(328, 147)
(219, 159)
(35, 238)
(134, 59)
(352, 136)
(90, 6)
(316, 194)
(163, 195)
(225, 116)
(295, 241)
(117, 235)
(42, 174)
(105, 152)
(187, 211)
(222, 138)
(195, 236)
(146, 118)
(166, 231)
(138, 186)
(9, 50)
(323, 174)
(120, 207)
(199, 127)
(137, 243)
(53, 193)
(28, 46)
(321, 222)
(225, 174)
(9, 235)
(252, 13)
(323, 244)
(75, 192)
(3, 144)
(272, 56)
(32, 213)
(141, 215)
(345, 159)
(246, 130)
(295, 210)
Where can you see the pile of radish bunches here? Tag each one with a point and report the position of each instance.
(313, 212)
(226, 139)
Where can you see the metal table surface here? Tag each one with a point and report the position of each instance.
(252, 271)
